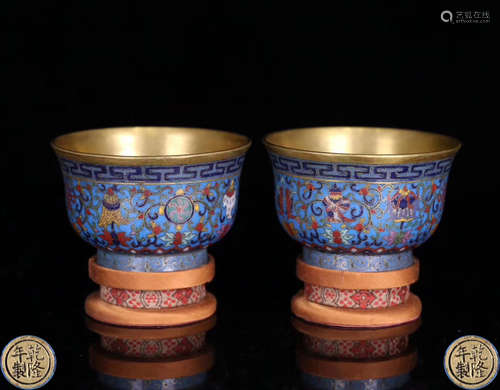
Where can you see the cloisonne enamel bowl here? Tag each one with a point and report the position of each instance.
(151, 199)
(356, 359)
(360, 199)
(173, 358)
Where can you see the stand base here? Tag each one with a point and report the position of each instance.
(101, 311)
(356, 318)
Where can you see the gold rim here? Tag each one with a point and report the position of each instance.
(150, 145)
(365, 145)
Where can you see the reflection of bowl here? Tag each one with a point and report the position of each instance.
(331, 358)
(151, 190)
(152, 343)
(355, 344)
(357, 198)
(154, 358)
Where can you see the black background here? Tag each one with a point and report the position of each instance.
(249, 67)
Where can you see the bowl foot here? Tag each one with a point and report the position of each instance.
(358, 262)
(152, 262)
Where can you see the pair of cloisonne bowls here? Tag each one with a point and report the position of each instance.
(152, 199)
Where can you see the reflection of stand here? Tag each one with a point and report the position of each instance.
(129, 298)
(331, 358)
(173, 357)
(356, 291)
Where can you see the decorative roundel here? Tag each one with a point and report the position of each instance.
(28, 362)
(179, 209)
(471, 362)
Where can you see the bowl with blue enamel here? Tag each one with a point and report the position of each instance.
(155, 193)
(360, 198)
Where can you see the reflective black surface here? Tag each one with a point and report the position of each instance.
(251, 68)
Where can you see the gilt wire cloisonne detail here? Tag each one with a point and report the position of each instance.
(346, 262)
(151, 174)
(143, 214)
(359, 172)
(370, 217)
(152, 263)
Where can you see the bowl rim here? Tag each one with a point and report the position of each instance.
(367, 158)
(153, 159)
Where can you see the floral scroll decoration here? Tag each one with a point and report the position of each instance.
(146, 218)
(359, 217)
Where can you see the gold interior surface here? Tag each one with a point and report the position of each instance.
(143, 145)
(361, 144)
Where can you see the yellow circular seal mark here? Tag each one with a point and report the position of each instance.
(471, 362)
(28, 362)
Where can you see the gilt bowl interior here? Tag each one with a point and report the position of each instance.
(361, 144)
(157, 145)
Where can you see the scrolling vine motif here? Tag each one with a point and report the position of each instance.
(144, 218)
(359, 217)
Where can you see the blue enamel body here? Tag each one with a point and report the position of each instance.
(369, 214)
(152, 210)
